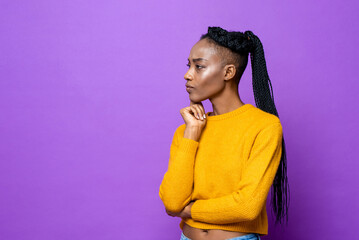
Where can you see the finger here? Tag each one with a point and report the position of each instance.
(189, 112)
(203, 110)
(199, 111)
(195, 111)
(169, 213)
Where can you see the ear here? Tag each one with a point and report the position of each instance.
(230, 71)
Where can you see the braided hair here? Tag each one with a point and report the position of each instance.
(240, 45)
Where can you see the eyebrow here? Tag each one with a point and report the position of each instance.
(198, 59)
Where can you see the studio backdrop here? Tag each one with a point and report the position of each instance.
(90, 93)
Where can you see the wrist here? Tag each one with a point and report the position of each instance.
(193, 133)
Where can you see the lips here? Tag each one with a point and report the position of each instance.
(189, 86)
(189, 89)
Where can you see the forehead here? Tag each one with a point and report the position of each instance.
(203, 49)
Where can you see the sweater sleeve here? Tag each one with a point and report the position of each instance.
(177, 184)
(247, 201)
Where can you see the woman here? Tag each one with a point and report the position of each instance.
(223, 163)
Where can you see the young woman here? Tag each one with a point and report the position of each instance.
(223, 163)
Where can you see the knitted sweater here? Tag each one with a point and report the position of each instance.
(228, 172)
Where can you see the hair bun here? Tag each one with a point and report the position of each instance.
(217, 31)
(236, 41)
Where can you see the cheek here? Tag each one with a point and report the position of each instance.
(210, 77)
(209, 83)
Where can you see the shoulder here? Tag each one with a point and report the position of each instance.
(264, 120)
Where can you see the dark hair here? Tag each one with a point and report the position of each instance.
(240, 45)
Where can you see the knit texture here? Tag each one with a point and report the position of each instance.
(228, 172)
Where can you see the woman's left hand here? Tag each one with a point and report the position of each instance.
(185, 213)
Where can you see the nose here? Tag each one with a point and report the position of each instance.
(188, 76)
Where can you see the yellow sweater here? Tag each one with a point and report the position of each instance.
(228, 172)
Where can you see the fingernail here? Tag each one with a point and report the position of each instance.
(204, 115)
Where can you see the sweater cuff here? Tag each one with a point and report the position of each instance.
(196, 211)
(187, 145)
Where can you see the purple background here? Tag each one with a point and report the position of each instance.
(90, 93)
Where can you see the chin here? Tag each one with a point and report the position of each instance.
(194, 99)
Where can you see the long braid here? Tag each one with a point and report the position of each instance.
(243, 44)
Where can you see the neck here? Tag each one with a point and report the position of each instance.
(226, 103)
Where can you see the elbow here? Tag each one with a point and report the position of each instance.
(254, 207)
(174, 208)
(172, 205)
(251, 216)
(253, 213)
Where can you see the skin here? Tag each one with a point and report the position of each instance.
(213, 80)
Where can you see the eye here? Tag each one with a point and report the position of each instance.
(197, 66)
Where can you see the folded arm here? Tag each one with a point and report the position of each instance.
(247, 201)
(176, 188)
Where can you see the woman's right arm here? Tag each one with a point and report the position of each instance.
(177, 184)
(176, 188)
